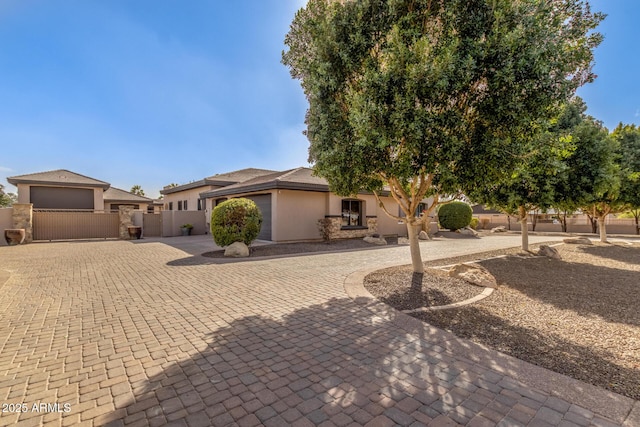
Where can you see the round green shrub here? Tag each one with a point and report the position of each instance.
(455, 215)
(235, 220)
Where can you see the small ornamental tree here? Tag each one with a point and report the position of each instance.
(427, 97)
(455, 215)
(235, 220)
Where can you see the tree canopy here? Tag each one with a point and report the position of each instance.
(6, 199)
(429, 97)
(137, 190)
(628, 140)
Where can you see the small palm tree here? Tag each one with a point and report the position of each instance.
(137, 190)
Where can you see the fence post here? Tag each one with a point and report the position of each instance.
(23, 218)
(125, 214)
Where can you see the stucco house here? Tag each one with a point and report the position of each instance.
(186, 197)
(293, 201)
(115, 197)
(63, 189)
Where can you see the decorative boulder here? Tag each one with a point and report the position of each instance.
(549, 252)
(499, 229)
(237, 250)
(375, 240)
(578, 241)
(468, 231)
(474, 274)
(423, 235)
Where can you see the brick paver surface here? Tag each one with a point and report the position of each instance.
(142, 333)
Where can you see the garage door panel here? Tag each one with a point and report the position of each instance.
(263, 201)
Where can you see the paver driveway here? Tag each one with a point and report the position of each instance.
(143, 333)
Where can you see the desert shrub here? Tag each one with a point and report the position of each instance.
(455, 215)
(235, 220)
(474, 223)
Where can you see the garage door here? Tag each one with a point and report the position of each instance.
(264, 204)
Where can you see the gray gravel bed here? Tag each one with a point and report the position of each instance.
(577, 316)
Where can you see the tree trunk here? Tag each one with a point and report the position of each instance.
(534, 220)
(603, 229)
(636, 215)
(563, 222)
(524, 230)
(594, 224)
(414, 246)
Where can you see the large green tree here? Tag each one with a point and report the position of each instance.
(530, 187)
(429, 97)
(590, 179)
(628, 139)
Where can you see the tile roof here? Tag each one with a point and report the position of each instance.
(220, 180)
(61, 177)
(292, 179)
(114, 194)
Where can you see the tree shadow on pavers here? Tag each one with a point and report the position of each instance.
(597, 366)
(588, 290)
(333, 361)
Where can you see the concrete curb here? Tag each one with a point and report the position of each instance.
(611, 405)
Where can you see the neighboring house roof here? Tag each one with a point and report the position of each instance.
(59, 177)
(220, 180)
(292, 179)
(117, 195)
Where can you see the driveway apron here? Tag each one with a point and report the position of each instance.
(143, 333)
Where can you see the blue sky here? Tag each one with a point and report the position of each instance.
(153, 92)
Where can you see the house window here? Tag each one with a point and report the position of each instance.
(351, 213)
(184, 205)
(200, 204)
(421, 208)
(170, 206)
(179, 205)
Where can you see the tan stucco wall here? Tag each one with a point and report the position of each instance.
(388, 225)
(98, 199)
(297, 214)
(6, 221)
(24, 193)
(172, 220)
(191, 196)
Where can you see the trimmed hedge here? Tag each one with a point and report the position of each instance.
(455, 215)
(235, 220)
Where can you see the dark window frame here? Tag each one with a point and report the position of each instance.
(349, 207)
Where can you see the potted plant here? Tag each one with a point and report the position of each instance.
(14, 236)
(186, 229)
(135, 231)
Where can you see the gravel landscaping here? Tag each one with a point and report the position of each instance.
(577, 316)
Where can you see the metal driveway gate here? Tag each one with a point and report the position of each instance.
(49, 224)
(152, 224)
